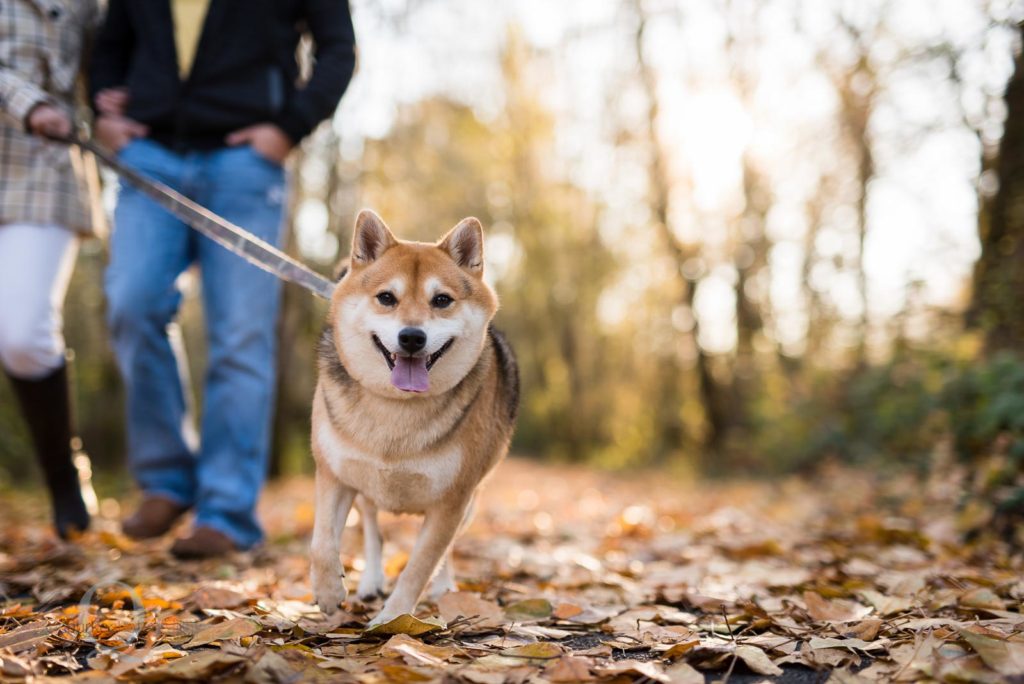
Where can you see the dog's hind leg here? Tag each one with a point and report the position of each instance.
(327, 576)
(371, 583)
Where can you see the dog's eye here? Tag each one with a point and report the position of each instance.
(386, 299)
(441, 301)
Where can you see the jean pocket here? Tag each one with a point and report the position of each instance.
(139, 151)
(120, 154)
(265, 160)
(146, 157)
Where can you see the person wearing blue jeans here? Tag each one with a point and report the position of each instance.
(221, 476)
(213, 114)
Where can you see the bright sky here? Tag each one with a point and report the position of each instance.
(922, 222)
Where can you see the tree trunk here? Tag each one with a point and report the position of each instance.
(288, 325)
(716, 415)
(750, 260)
(855, 112)
(999, 274)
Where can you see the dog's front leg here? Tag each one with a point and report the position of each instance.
(333, 502)
(435, 538)
(444, 579)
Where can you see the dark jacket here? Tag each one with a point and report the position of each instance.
(244, 71)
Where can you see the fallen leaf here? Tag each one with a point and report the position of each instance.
(224, 631)
(484, 675)
(564, 611)
(271, 668)
(833, 611)
(484, 614)
(845, 676)
(404, 646)
(825, 658)
(1005, 657)
(539, 631)
(756, 660)
(216, 597)
(887, 605)
(683, 673)
(500, 662)
(399, 674)
(200, 666)
(859, 644)
(866, 629)
(678, 650)
(965, 669)
(1010, 617)
(347, 664)
(408, 624)
(530, 609)
(645, 669)
(570, 668)
(11, 666)
(288, 610)
(542, 650)
(982, 598)
(27, 636)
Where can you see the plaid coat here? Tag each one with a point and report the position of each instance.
(41, 46)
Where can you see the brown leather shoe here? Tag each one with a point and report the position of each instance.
(204, 542)
(155, 516)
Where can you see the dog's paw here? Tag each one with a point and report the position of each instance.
(390, 611)
(371, 586)
(329, 593)
(383, 617)
(330, 598)
(370, 596)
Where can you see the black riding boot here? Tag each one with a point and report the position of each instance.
(46, 405)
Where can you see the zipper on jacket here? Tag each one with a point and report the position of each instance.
(275, 88)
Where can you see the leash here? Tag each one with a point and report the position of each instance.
(234, 238)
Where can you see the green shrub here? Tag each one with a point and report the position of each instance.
(897, 413)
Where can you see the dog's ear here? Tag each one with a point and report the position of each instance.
(370, 239)
(465, 244)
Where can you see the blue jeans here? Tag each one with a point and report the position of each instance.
(221, 473)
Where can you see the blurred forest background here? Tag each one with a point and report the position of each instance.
(731, 237)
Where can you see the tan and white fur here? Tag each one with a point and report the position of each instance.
(415, 404)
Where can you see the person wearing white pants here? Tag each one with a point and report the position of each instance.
(35, 267)
(44, 211)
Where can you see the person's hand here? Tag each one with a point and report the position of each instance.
(112, 101)
(114, 132)
(269, 141)
(49, 122)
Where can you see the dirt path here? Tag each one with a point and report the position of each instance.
(565, 575)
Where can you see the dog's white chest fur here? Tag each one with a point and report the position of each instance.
(406, 485)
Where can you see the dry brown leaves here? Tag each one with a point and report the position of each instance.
(565, 576)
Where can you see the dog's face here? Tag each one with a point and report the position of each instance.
(410, 318)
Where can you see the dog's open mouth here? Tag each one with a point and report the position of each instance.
(388, 356)
(410, 373)
(433, 358)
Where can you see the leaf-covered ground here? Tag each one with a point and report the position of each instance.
(565, 575)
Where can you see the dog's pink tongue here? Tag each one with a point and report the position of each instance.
(410, 374)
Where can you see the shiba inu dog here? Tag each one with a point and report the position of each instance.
(416, 401)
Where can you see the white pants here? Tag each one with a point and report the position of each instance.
(35, 267)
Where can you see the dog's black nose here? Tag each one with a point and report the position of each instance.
(412, 340)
